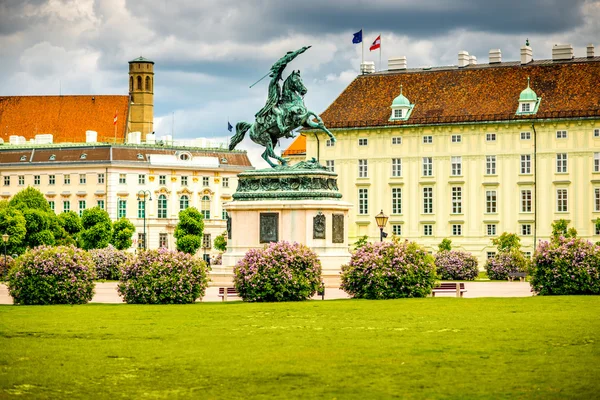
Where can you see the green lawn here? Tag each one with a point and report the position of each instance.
(539, 347)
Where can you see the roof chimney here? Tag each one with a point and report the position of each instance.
(367, 67)
(495, 56)
(590, 50)
(472, 60)
(526, 53)
(397, 63)
(562, 52)
(463, 59)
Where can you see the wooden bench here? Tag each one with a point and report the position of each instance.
(520, 275)
(449, 287)
(226, 292)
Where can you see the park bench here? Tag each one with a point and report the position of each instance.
(449, 287)
(226, 292)
(520, 275)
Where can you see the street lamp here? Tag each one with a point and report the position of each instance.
(142, 195)
(5, 240)
(381, 220)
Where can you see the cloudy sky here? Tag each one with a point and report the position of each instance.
(208, 52)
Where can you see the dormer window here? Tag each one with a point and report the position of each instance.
(401, 108)
(529, 101)
(398, 113)
(83, 156)
(184, 156)
(52, 157)
(525, 107)
(224, 160)
(140, 156)
(23, 158)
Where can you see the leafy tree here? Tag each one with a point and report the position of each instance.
(122, 229)
(189, 230)
(220, 243)
(96, 229)
(507, 241)
(12, 222)
(561, 228)
(69, 226)
(446, 244)
(361, 242)
(30, 198)
(39, 227)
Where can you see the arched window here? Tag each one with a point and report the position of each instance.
(148, 83)
(184, 202)
(131, 83)
(139, 83)
(205, 207)
(162, 206)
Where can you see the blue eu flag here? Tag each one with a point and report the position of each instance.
(357, 37)
(229, 127)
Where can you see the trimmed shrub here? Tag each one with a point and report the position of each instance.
(505, 262)
(566, 266)
(52, 275)
(5, 267)
(389, 270)
(163, 277)
(455, 264)
(281, 271)
(109, 262)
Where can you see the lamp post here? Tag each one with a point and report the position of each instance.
(5, 240)
(381, 220)
(142, 195)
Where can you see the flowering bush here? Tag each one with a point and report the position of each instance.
(506, 262)
(566, 266)
(52, 275)
(218, 259)
(109, 262)
(163, 277)
(281, 271)
(389, 270)
(456, 264)
(4, 267)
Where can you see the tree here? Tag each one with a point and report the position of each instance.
(446, 244)
(362, 241)
(189, 230)
(507, 241)
(122, 231)
(220, 243)
(12, 222)
(30, 198)
(96, 229)
(38, 224)
(561, 228)
(70, 226)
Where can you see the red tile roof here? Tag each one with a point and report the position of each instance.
(298, 146)
(65, 117)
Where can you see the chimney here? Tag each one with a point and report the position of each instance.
(397, 63)
(590, 50)
(562, 52)
(526, 53)
(367, 67)
(495, 56)
(472, 60)
(463, 59)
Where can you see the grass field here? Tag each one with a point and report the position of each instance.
(539, 347)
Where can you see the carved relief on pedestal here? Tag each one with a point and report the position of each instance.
(319, 226)
(269, 227)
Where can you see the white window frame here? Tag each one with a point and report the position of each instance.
(427, 200)
(456, 229)
(396, 140)
(490, 137)
(363, 168)
(596, 162)
(428, 139)
(82, 179)
(427, 230)
(491, 229)
(330, 165)
(526, 200)
(396, 200)
(525, 229)
(398, 113)
(225, 182)
(526, 135)
(561, 163)
(162, 179)
(456, 139)
(141, 179)
(490, 254)
(363, 142)
(205, 181)
(562, 134)
(597, 132)
(491, 201)
(52, 179)
(456, 165)
(562, 200)
(456, 199)
(101, 178)
(397, 229)
(490, 165)
(122, 179)
(427, 166)
(329, 143)
(67, 179)
(184, 180)
(597, 199)
(82, 206)
(36, 180)
(525, 107)
(66, 205)
(121, 208)
(21, 180)
(525, 164)
(100, 204)
(396, 167)
(363, 201)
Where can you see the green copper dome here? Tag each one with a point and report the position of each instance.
(401, 100)
(528, 94)
(141, 59)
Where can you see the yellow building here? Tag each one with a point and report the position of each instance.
(141, 93)
(470, 151)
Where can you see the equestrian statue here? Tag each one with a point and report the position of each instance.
(283, 113)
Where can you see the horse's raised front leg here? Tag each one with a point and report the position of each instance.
(318, 125)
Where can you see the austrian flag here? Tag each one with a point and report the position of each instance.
(115, 120)
(376, 44)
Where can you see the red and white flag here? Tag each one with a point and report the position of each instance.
(115, 120)
(376, 44)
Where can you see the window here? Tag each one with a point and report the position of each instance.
(363, 201)
(427, 200)
(206, 242)
(561, 163)
(185, 156)
(7, 181)
(427, 166)
(162, 179)
(491, 229)
(597, 199)
(456, 230)
(163, 240)
(526, 163)
(141, 241)
(396, 200)
(141, 179)
(123, 179)
(596, 163)
(427, 230)
(52, 157)
(67, 179)
(66, 205)
(456, 165)
(490, 165)
(225, 182)
(428, 139)
(526, 200)
(184, 181)
(330, 165)
(397, 140)
(363, 168)
(561, 134)
(100, 178)
(83, 156)
(398, 113)
(21, 180)
(205, 181)
(596, 132)
(51, 179)
(396, 167)
(456, 138)
(396, 229)
(526, 230)
(141, 209)
(51, 203)
(525, 107)
(491, 254)
(329, 143)
(490, 137)
(122, 208)
(36, 179)
(223, 212)
(561, 200)
(205, 207)
(490, 201)
(82, 179)
(525, 135)
(100, 204)
(81, 207)
(184, 202)
(23, 158)
(457, 200)
(363, 141)
(162, 206)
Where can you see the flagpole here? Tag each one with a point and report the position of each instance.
(362, 44)
(115, 124)
(380, 41)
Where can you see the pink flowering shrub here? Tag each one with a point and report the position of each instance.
(455, 264)
(218, 259)
(4, 267)
(389, 270)
(505, 262)
(281, 271)
(52, 275)
(163, 277)
(566, 266)
(109, 262)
